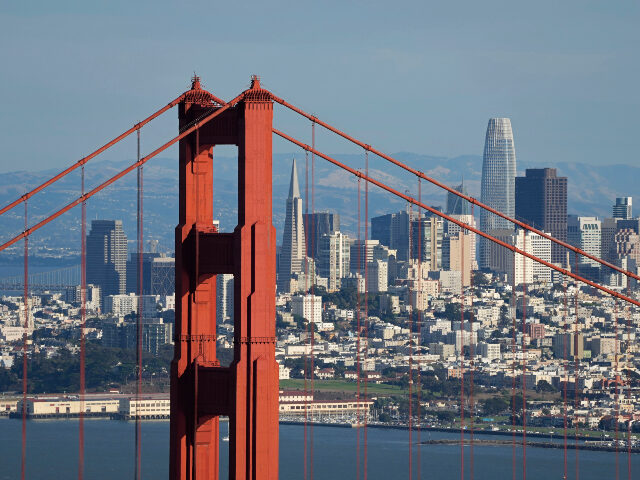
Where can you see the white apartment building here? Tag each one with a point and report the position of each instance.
(334, 258)
(377, 275)
(525, 270)
(586, 234)
(489, 351)
(122, 305)
(307, 306)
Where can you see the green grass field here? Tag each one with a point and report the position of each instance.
(341, 386)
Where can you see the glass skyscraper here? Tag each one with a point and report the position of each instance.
(107, 257)
(498, 181)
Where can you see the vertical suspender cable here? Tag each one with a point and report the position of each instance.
(138, 439)
(410, 419)
(366, 309)
(83, 319)
(312, 324)
(628, 330)
(616, 379)
(566, 375)
(360, 270)
(461, 363)
(24, 344)
(576, 363)
(524, 358)
(472, 346)
(306, 284)
(514, 306)
(419, 323)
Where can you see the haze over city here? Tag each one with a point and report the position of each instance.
(337, 239)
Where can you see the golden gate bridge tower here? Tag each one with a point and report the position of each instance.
(201, 389)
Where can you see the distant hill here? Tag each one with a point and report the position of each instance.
(592, 190)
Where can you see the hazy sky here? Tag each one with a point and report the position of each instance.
(414, 76)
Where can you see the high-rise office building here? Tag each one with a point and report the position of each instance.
(426, 241)
(107, 257)
(132, 272)
(541, 201)
(224, 298)
(586, 234)
(392, 230)
(498, 180)
(623, 208)
(361, 253)
(315, 226)
(456, 254)
(518, 268)
(452, 229)
(293, 251)
(626, 244)
(457, 205)
(377, 276)
(163, 276)
(334, 257)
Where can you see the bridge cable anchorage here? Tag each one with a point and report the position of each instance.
(25, 346)
(130, 168)
(461, 224)
(360, 270)
(453, 191)
(139, 313)
(84, 160)
(83, 319)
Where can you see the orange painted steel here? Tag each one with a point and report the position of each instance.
(29, 230)
(202, 389)
(468, 198)
(84, 160)
(457, 222)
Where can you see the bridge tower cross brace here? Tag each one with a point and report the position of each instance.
(201, 389)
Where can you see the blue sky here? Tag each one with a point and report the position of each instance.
(404, 76)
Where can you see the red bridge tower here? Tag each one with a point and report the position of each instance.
(247, 390)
